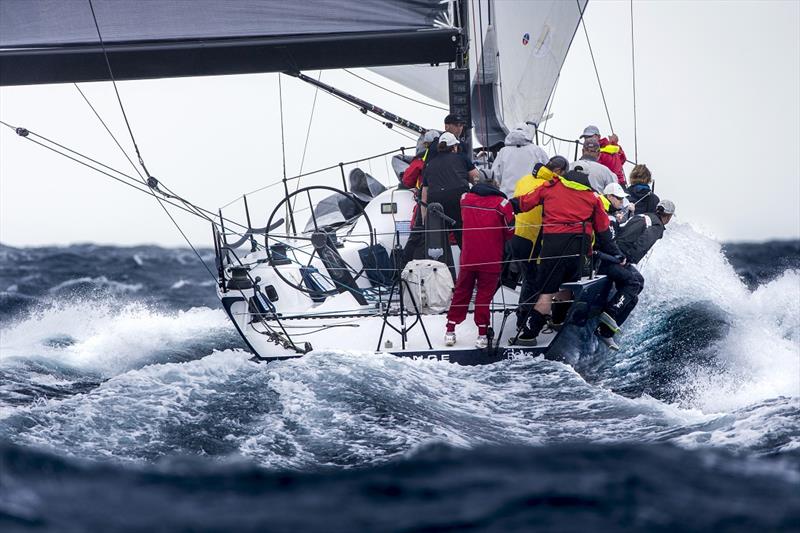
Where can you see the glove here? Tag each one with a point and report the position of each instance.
(515, 205)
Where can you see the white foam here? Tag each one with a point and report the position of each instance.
(100, 282)
(760, 356)
(105, 338)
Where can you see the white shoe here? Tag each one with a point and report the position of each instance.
(482, 341)
(449, 338)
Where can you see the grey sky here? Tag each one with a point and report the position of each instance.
(718, 101)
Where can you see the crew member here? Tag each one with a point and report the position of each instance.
(445, 178)
(487, 216)
(642, 195)
(454, 124)
(572, 212)
(616, 197)
(613, 156)
(412, 178)
(516, 158)
(599, 175)
(635, 238)
(526, 242)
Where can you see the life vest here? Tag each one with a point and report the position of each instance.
(528, 225)
(610, 149)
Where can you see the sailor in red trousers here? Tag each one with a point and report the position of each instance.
(487, 217)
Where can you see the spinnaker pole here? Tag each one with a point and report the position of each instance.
(365, 106)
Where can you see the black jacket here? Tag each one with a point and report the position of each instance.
(638, 235)
(646, 201)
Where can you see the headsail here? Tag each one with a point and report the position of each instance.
(516, 61)
(53, 41)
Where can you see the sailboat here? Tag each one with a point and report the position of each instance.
(322, 271)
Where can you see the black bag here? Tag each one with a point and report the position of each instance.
(377, 265)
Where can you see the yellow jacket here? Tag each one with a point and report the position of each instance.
(529, 224)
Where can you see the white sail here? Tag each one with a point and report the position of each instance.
(533, 39)
(516, 55)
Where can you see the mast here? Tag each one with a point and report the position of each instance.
(459, 80)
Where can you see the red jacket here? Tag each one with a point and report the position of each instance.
(487, 217)
(567, 202)
(412, 176)
(613, 157)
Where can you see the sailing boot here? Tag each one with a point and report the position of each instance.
(482, 341)
(450, 334)
(535, 324)
(606, 336)
(559, 312)
(608, 321)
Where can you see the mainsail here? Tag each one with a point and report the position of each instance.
(516, 61)
(55, 41)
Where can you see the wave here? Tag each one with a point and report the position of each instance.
(705, 361)
(590, 487)
(88, 283)
(699, 337)
(72, 346)
(345, 409)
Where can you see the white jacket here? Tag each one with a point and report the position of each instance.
(516, 160)
(599, 175)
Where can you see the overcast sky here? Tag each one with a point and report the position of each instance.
(718, 102)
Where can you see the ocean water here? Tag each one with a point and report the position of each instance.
(127, 401)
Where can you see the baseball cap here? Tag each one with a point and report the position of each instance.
(615, 189)
(667, 206)
(448, 138)
(430, 135)
(454, 119)
(588, 131)
(591, 144)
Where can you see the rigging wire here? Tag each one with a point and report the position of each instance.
(171, 194)
(124, 152)
(136, 147)
(283, 143)
(132, 183)
(308, 135)
(308, 129)
(594, 63)
(116, 90)
(633, 78)
(394, 92)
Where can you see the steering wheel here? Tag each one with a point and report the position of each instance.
(321, 239)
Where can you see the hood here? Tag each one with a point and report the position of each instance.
(484, 189)
(518, 138)
(639, 189)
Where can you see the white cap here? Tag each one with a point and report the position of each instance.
(430, 135)
(615, 189)
(588, 131)
(448, 138)
(667, 206)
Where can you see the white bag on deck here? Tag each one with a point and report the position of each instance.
(430, 284)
